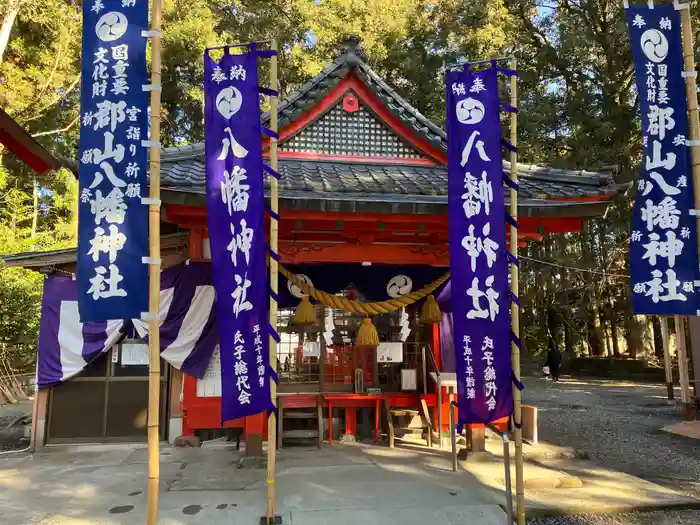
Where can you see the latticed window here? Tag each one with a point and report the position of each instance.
(359, 134)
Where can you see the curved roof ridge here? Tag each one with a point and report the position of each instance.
(350, 59)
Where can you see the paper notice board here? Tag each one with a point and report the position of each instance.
(390, 353)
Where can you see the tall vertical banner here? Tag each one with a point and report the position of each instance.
(113, 223)
(477, 234)
(663, 236)
(236, 215)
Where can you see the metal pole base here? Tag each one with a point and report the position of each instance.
(277, 520)
(669, 389)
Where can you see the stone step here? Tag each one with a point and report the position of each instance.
(404, 412)
(300, 434)
(409, 431)
(299, 414)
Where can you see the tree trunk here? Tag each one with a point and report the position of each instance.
(595, 339)
(604, 333)
(613, 329)
(634, 333)
(658, 340)
(615, 340)
(7, 22)
(541, 294)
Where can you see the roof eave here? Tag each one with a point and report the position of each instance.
(22, 144)
(46, 262)
(407, 204)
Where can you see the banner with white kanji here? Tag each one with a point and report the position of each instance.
(236, 218)
(477, 233)
(663, 235)
(113, 222)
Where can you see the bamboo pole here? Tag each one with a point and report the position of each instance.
(274, 232)
(514, 308)
(668, 366)
(154, 272)
(692, 96)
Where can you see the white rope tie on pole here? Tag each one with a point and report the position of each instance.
(151, 260)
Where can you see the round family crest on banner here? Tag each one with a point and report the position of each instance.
(111, 26)
(470, 111)
(654, 45)
(399, 285)
(229, 101)
(295, 290)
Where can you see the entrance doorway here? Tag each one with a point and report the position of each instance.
(106, 402)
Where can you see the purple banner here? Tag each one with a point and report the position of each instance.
(663, 235)
(477, 234)
(235, 210)
(113, 225)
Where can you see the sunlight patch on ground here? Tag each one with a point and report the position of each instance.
(390, 453)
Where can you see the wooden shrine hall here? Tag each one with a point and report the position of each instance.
(363, 188)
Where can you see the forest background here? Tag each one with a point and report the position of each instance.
(579, 110)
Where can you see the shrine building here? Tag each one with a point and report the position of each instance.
(363, 206)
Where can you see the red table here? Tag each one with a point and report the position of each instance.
(353, 401)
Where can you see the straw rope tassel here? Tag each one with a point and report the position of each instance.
(367, 334)
(430, 313)
(305, 313)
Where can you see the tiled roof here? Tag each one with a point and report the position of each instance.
(325, 179)
(306, 97)
(182, 168)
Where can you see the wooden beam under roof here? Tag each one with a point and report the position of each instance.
(22, 144)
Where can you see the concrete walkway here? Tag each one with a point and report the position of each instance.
(338, 485)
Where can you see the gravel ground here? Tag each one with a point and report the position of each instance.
(680, 517)
(12, 438)
(618, 424)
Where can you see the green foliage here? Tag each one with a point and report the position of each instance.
(20, 312)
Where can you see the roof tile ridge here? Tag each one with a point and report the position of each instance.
(399, 99)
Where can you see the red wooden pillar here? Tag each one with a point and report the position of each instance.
(436, 345)
(437, 353)
(189, 388)
(189, 392)
(350, 422)
(253, 434)
(196, 240)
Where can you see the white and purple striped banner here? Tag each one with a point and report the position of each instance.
(187, 332)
